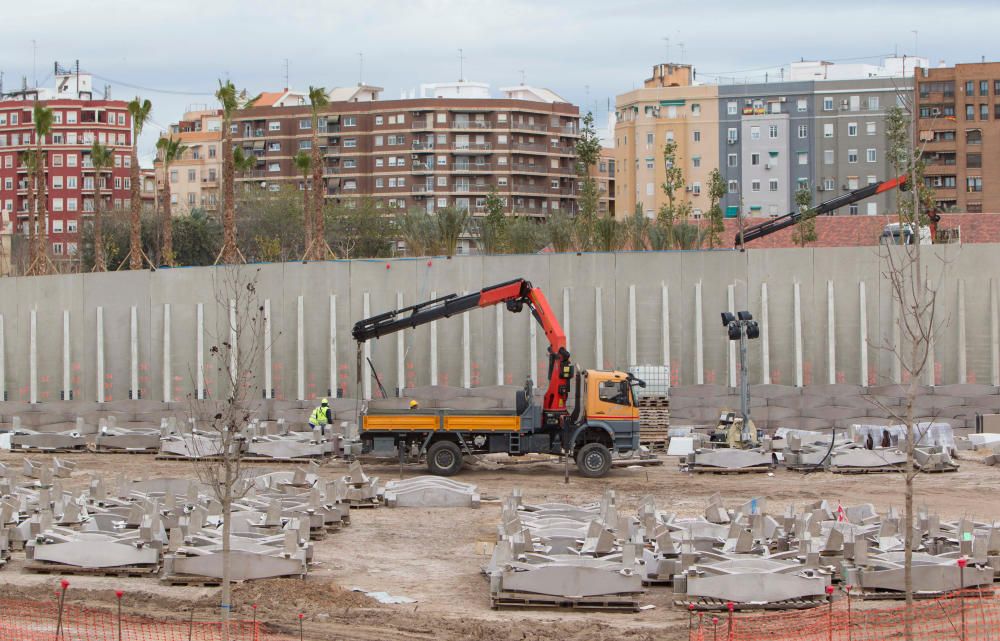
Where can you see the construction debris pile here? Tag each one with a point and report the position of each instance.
(589, 556)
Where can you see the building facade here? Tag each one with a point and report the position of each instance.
(604, 173)
(195, 176)
(667, 108)
(80, 120)
(958, 128)
(425, 152)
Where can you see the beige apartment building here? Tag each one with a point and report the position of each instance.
(195, 177)
(668, 107)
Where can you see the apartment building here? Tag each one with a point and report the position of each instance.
(195, 176)
(667, 108)
(604, 173)
(958, 127)
(449, 148)
(80, 119)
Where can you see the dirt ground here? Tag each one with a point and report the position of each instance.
(432, 555)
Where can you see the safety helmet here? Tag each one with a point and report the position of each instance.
(324, 402)
(413, 404)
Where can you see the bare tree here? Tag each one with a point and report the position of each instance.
(232, 356)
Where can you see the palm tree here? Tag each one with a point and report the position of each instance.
(28, 160)
(139, 110)
(230, 103)
(169, 150)
(101, 157)
(43, 119)
(303, 162)
(318, 249)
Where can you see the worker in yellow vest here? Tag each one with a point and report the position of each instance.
(320, 417)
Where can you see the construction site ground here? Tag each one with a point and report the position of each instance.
(434, 555)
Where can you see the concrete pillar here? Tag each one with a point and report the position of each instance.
(199, 390)
(931, 364)
(234, 348)
(332, 390)
(831, 335)
(366, 371)
(133, 382)
(566, 319)
(167, 370)
(598, 329)
(3, 361)
(434, 345)
(533, 349)
(400, 352)
(897, 341)
(67, 386)
(731, 345)
(632, 348)
(797, 330)
(962, 347)
(500, 311)
(863, 338)
(100, 355)
(765, 348)
(994, 334)
(665, 324)
(466, 347)
(33, 358)
(699, 339)
(268, 365)
(300, 350)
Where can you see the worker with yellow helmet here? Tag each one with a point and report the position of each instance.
(320, 417)
(414, 405)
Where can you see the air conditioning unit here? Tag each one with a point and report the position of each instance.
(844, 104)
(732, 141)
(845, 188)
(782, 99)
(769, 166)
(821, 188)
(688, 188)
(935, 111)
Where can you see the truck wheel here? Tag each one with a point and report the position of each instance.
(444, 458)
(593, 460)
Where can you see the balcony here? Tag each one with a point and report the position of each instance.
(536, 189)
(471, 147)
(210, 182)
(529, 146)
(462, 188)
(416, 145)
(521, 167)
(471, 124)
(528, 126)
(423, 189)
(422, 167)
(472, 167)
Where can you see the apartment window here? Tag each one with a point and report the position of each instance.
(350, 185)
(755, 185)
(71, 224)
(379, 141)
(13, 119)
(57, 204)
(695, 109)
(392, 182)
(379, 182)
(984, 87)
(211, 151)
(733, 186)
(974, 161)
(274, 167)
(192, 177)
(649, 189)
(379, 120)
(732, 134)
(71, 160)
(828, 184)
(350, 143)
(852, 129)
(828, 156)
(871, 155)
(442, 181)
(872, 103)
(274, 125)
(970, 112)
(972, 136)
(755, 133)
(191, 199)
(442, 139)
(828, 130)
(305, 123)
(803, 183)
(754, 159)
(379, 162)
(304, 145)
(350, 121)
(852, 156)
(649, 163)
(57, 182)
(852, 209)
(970, 87)
(803, 158)
(173, 179)
(772, 131)
(71, 205)
(801, 105)
(350, 163)
(441, 118)
(872, 180)
(501, 181)
(803, 131)
(984, 112)
(996, 111)
(649, 138)
(974, 184)
(732, 160)
(57, 249)
(8, 184)
(696, 189)
(772, 184)
(442, 160)
(57, 160)
(696, 161)
(828, 103)
(852, 182)
(697, 136)
(731, 108)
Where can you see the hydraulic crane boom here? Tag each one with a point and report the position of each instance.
(775, 224)
(515, 294)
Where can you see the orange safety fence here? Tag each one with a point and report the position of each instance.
(970, 615)
(42, 621)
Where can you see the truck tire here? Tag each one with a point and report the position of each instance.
(593, 460)
(444, 458)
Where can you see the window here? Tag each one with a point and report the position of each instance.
(697, 136)
(192, 175)
(828, 103)
(71, 205)
(803, 158)
(649, 189)
(57, 160)
(732, 134)
(442, 181)
(501, 181)
(755, 185)
(57, 204)
(828, 130)
(649, 138)
(852, 129)
(71, 225)
(695, 109)
(970, 87)
(274, 125)
(803, 131)
(827, 156)
(872, 180)
(970, 112)
(852, 182)
(852, 209)
(274, 167)
(350, 163)
(696, 161)
(872, 209)
(350, 121)
(442, 160)
(801, 105)
(191, 199)
(379, 120)
(772, 131)
(350, 185)
(211, 151)
(984, 112)
(379, 162)
(984, 87)
(871, 155)
(731, 108)
(733, 186)
(828, 184)
(392, 182)
(305, 123)
(649, 163)
(772, 184)
(852, 156)
(974, 161)
(303, 145)
(379, 141)
(872, 103)
(696, 189)
(754, 133)
(755, 159)
(974, 184)
(732, 160)
(57, 182)
(441, 119)
(173, 179)
(71, 160)
(350, 143)
(57, 249)
(972, 136)
(442, 139)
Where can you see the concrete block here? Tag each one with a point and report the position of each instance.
(967, 390)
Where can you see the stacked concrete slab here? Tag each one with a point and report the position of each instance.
(430, 491)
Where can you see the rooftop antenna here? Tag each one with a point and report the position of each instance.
(34, 61)
(521, 71)
(461, 66)
(682, 52)
(361, 68)
(286, 74)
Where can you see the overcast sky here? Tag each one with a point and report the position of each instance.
(174, 52)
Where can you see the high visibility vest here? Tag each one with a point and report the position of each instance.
(318, 417)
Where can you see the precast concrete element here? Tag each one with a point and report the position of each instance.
(750, 580)
(25, 440)
(121, 439)
(66, 549)
(859, 459)
(430, 491)
(726, 459)
(931, 574)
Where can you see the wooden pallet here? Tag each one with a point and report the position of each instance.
(42, 567)
(653, 401)
(613, 602)
(718, 605)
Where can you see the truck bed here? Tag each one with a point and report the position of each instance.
(441, 419)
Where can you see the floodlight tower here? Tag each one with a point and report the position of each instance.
(742, 327)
